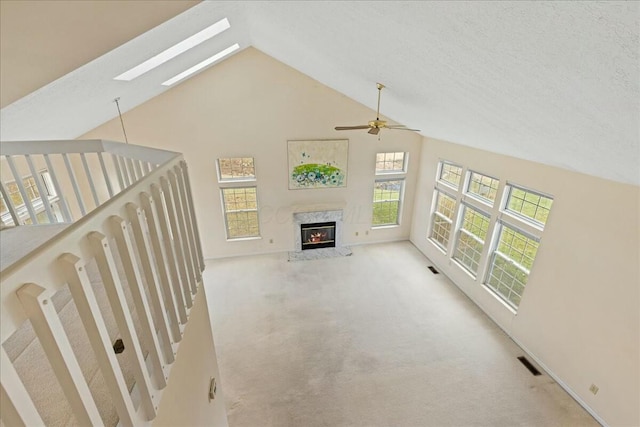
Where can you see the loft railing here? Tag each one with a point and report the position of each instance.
(132, 238)
(92, 171)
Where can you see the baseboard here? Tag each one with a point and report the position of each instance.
(549, 372)
(561, 383)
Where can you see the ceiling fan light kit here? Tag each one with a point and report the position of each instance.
(376, 125)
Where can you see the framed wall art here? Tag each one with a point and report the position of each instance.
(318, 163)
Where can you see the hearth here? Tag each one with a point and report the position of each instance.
(318, 235)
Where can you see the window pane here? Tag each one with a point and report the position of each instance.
(235, 168)
(483, 186)
(241, 212)
(450, 174)
(529, 204)
(390, 162)
(3, 205)
(471, 238)
(386, 202)
(442, 219)
(14, 193)
(511, 264)
(31, 188)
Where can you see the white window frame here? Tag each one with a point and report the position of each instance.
(388, 176)
(449, 184)
(519, 223)
(495, 253)
(249, 178)
(434, 212)
(405, 159)
(463, 231)
(538, 225)
(476, 196)
(226, 213)
(385, 201)
(238, 183)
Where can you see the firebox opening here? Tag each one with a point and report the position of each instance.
(318, 235)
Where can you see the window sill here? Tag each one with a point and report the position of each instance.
(242, 239)
(378, 227)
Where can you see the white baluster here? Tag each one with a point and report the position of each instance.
(91, 317)
(37, 303)
(119, 306)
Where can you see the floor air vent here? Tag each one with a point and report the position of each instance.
(529, 366)
(433, 270)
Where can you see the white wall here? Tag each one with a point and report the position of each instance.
(579, 315)
(185, 401)
(249, 106)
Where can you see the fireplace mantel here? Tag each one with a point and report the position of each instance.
(318, 207)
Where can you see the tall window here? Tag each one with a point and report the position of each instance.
(518, 241)
(471, 237)
(496, 246)
(511, 264)
(241, 212)
(442, 218)
(239, 200)
(388, 192)
(444, 203)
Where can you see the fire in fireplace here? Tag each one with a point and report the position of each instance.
(318, 235)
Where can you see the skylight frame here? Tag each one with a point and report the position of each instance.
(183, 75)
(175, 50)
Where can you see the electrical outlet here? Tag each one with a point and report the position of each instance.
(366, 232)
(594, 389)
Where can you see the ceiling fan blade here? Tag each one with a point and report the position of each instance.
(374, 131)
(415, 130)
(395, 126)
(352, 127)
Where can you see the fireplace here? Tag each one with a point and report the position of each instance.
(318, 235)
(320, 230)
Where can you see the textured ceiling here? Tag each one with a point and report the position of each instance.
(552, 82)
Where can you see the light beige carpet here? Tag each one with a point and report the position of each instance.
(374, 339)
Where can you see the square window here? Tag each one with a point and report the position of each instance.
(390, 163)
(236, 169)
(529, 205)
(450, 174)
(483, 186)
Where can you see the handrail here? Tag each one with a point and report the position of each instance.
(151, 225)
(94, 170)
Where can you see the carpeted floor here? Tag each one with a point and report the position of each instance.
(373, 339)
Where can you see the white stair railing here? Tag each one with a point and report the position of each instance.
(143, 239)
(34, 174)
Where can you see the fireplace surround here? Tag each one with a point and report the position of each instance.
(322, 217)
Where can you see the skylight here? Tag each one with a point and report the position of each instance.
(201, 65)
(175, 50)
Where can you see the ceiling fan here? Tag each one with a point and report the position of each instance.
(374, 126)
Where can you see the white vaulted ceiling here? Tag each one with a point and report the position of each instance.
(553, 82)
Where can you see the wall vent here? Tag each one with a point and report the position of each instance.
(433, 269)
(529, 366)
